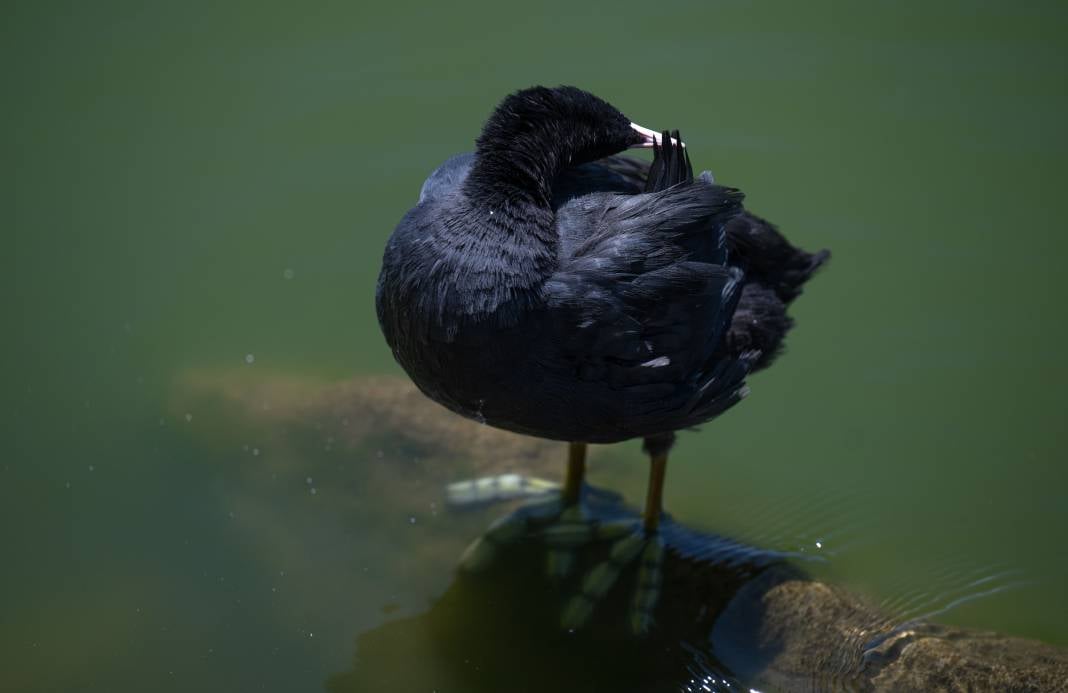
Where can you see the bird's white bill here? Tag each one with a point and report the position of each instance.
(649, 137)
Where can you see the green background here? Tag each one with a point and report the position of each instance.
(166, 164)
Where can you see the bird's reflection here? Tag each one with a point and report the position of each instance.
(499, 628)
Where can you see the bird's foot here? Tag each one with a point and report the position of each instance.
(563, 526)
(636, 545)
(574, 530)
(569, 529)
(510, 529)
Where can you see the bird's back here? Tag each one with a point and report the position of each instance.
(643, 324)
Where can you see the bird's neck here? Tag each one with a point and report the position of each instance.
(517, 172)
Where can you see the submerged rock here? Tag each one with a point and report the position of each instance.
(787, 633)
(729, 615)
(387, 416)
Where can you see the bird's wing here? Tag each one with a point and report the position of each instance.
(643, 301)
(613, 174)
(634, 171)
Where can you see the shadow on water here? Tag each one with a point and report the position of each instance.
(500, 628)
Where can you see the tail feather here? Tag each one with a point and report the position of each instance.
(768, 258)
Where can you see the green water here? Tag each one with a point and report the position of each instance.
(189, 185)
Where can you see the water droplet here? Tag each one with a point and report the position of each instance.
(308, 481)
(312, 491)
(67, 484)
(287, 273)
(188, 417)
(92, 467)
(255, 452)
(411, 520)
(250, 359)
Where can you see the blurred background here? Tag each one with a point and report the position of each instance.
(207, 188)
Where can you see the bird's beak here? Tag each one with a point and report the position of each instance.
(650, 137)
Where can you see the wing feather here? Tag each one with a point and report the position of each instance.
(647, 297)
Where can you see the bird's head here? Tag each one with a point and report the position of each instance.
(566, 121)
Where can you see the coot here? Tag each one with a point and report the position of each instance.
(546, 285)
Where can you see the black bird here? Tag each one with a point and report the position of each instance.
(547, 286)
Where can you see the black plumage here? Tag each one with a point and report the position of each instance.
(547, 286)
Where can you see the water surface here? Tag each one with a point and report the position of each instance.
(208, 188)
